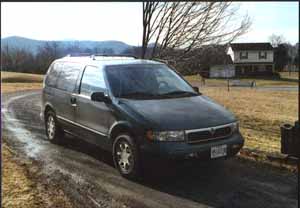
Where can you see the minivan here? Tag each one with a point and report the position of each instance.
(135, 107)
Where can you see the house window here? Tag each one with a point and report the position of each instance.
(243, 55)
(262, 55)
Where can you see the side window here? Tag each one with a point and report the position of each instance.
(68, 77)
(92, 81)
(53, 74)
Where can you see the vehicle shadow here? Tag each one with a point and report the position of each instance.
(197, 181)
(92, 150)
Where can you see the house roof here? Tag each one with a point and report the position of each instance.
(251, 46)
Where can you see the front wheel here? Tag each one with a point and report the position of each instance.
(125, 155)
(53, 130)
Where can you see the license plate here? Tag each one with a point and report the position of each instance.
(218, 151)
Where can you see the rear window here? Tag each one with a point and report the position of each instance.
(68, 77)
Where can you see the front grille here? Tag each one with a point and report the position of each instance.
(208, 134)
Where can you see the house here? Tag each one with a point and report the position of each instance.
(252, 58)
(222, 69)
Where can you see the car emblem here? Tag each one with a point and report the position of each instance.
(212, 131)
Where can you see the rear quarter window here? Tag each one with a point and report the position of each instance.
(68, 76)
(53, 74)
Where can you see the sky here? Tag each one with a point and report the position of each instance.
(123, 21)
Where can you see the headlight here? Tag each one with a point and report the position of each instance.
(235, 127)
(167, 136)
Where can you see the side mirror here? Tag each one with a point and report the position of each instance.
(196, 88)
(100, 97)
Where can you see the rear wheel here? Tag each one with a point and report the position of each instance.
(125, 155)
(53, 131)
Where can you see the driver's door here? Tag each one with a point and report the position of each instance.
(92, 117)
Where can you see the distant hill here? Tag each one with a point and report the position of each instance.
(33, 45)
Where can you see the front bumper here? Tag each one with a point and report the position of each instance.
(182, 150)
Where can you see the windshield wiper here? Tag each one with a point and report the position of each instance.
(180, 92)
(138, 94)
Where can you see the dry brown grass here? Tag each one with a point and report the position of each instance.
(21, 77)
(11, 82)
(12, 87)
(288, 75)
(18, 190)
(260, 113)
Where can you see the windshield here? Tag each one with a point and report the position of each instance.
(146, 81)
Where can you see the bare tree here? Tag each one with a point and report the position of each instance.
(277, 40)
(46, 54)
(189, 25)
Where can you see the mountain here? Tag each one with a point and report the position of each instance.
(21, 43)
(33, 45)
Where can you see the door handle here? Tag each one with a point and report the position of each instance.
(73, 101)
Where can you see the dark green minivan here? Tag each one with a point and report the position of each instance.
(133, 107)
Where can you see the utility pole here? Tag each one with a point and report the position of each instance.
(228, 84)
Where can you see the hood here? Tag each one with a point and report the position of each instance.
(179, 113)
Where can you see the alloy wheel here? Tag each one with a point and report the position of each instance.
(51, 127)
(124, 156)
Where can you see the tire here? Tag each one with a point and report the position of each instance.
(53, 131)
(126, 157)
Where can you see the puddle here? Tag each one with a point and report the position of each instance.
(32, 147)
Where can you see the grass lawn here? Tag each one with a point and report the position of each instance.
(21, 77)
(17, 187)
(292, 75)
(260, 113)
(12, 81)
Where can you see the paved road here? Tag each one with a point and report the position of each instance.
(265, 88)
(89, 178)
(279, 88)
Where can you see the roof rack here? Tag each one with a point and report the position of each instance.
(78, 54)
(93, 56)
(112, 55)
(161, 60)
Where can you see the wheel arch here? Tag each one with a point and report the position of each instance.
(48, 107)
(119, 127)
